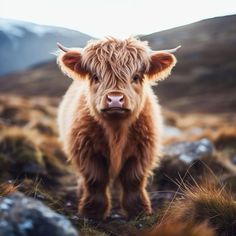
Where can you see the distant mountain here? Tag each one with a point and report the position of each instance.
(205, 76)
(24, 44)
(204, 79)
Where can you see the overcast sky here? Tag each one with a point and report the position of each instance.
(120, 18)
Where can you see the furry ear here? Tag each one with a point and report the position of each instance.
(161, 64)
(70, 62)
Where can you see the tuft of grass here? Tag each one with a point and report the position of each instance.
(45, 129)
(27, 154)
(54, 158)
(19, 155)
(6, 189)
(206, 202)
(180, 229)
(225, 137)
(89, 231)
(230, 183)
(173, 171)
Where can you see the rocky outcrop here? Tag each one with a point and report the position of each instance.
(190, 151)
(187, 163)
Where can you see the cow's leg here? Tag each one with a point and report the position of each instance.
(95, 199)
(133, 178)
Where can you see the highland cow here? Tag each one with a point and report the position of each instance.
(110, 121)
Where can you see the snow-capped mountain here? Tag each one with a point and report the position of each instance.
(23, 44)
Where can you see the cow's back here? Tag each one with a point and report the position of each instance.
(68, 107)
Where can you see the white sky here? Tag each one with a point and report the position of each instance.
(119, 18)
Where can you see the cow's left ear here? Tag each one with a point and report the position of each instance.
(161, 64)
(70, 62)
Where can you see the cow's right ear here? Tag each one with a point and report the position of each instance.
(70, 62)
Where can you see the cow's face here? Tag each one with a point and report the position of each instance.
(117, 73)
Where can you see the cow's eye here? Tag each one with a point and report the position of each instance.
(95, 78)
(136, 78)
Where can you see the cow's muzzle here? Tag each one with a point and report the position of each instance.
(115, 105)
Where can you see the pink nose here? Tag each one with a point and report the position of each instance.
(115, 101)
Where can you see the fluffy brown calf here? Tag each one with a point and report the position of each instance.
(110, 121)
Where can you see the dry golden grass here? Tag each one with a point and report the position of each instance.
(180, 229)
(220, 129)
(7, 188)
(202, 120)
(208, 202)
(28, 136)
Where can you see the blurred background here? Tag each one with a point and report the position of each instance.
(198, 99)
(203, 81)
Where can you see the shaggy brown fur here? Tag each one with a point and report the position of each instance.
(118, 144)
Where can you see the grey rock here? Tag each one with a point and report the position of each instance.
(171, 131)
(190, 151)
(24, 216)
(185, 164)
(233, 159)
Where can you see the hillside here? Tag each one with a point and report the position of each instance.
(41, 80)
(23, 44)
(204, 79)
(205, 76)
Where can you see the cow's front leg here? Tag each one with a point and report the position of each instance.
(95, 197)
(133, 178)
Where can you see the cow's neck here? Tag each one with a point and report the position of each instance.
(117, 137)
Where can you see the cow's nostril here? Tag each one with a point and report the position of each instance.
(122, 99)
(109, 99)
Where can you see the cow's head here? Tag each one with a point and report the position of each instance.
(117, 72)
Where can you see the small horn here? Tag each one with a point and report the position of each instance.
(173, 50)
(64, 49)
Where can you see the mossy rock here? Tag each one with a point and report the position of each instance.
(45, 129)
(14, 115)
(173, 172)
(20, 156)
(9, 112)
(54, 158)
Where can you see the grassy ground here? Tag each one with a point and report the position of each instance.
(32, 161)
